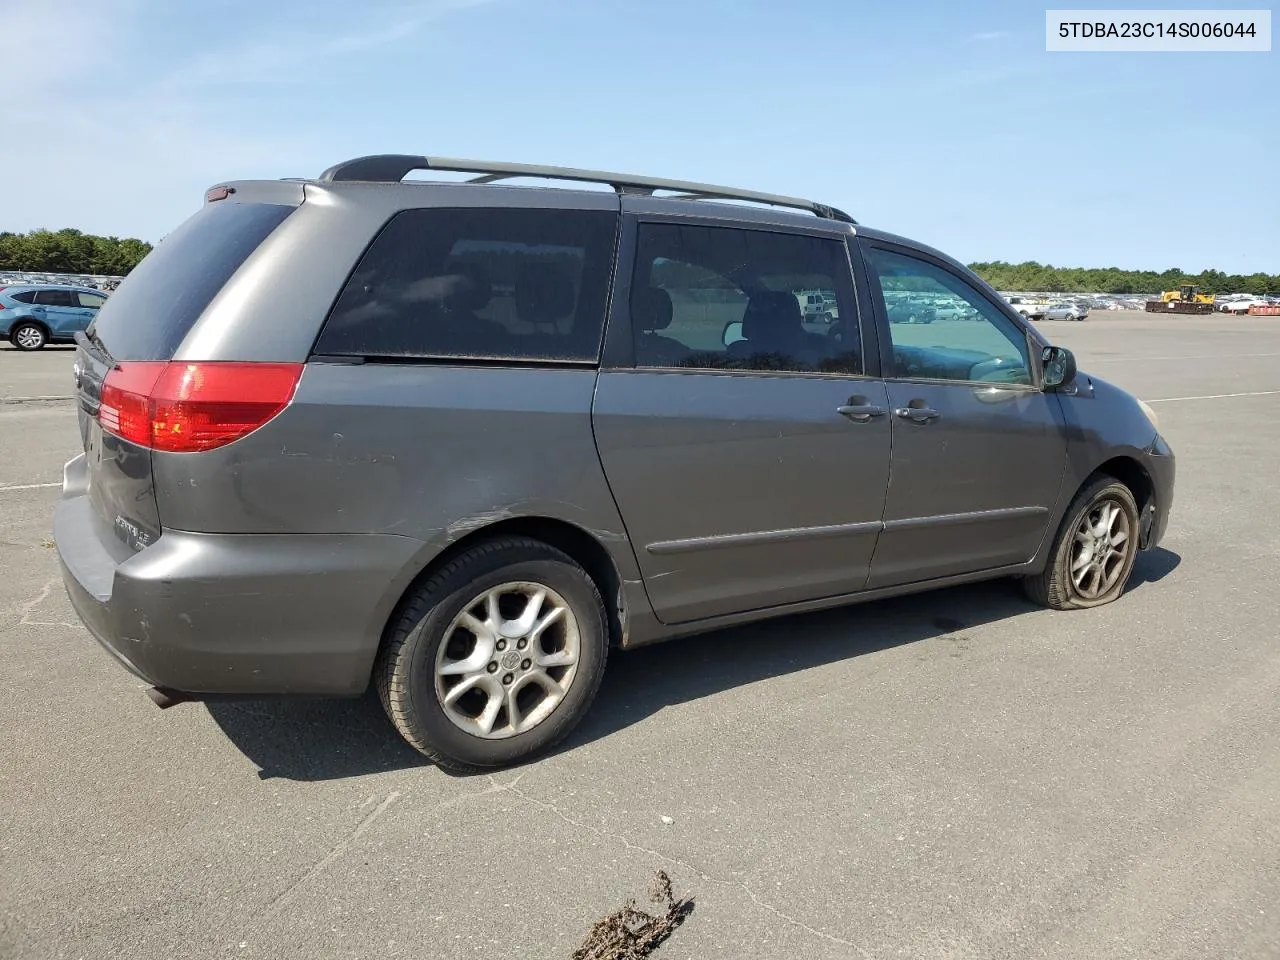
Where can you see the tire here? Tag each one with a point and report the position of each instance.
(418, 646)
(1055, 587)
(26, 335)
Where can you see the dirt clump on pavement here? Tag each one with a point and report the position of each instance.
(631, 933)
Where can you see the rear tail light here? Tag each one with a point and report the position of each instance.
(189, 407)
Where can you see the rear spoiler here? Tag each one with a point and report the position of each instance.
(286, 192)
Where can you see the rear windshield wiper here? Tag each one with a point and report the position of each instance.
(90, 340)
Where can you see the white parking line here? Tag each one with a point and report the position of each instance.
(1199, 356)
(31, 486)
(1218, 396)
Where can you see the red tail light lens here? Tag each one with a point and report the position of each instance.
(189, 407)
(125, 409)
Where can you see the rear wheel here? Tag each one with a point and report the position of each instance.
(496, 657)
(1093, 552)
(28, 336)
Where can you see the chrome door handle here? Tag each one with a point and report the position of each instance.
(917, 414)
(860, 412)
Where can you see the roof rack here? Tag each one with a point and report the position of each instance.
(392, 168)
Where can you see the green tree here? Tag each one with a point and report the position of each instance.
(1032, 276)
(70, 251)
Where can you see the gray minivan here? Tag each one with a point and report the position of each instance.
(463, 439)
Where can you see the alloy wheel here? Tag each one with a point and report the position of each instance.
(508, 660)
(29, 337)
(1102, 541)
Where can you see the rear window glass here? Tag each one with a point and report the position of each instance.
(504, 284)
(156, 306)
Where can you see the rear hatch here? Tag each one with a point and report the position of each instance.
(123, 356)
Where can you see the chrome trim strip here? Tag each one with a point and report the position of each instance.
(977, 516)
(764, 536)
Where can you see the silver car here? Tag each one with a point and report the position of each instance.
(463, 441)
(1067, 310)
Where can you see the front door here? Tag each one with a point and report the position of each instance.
(747, 448)
(979, 450)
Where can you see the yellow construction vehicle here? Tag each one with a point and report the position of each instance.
(1186, 299)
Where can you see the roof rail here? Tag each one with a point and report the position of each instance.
(392, 168)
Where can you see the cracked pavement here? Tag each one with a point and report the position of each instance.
(955, 775)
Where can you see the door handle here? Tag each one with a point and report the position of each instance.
(859, 411)
(917, 414)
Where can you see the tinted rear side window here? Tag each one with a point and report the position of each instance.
(503, 284)
(26, 296)
(156, 306)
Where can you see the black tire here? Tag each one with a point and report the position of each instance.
(405, 671)
(32, 332)
(1053, 587)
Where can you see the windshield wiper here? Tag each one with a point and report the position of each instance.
(90, 340)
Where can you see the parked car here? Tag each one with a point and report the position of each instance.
(1241, 305)
(909, 311)
(949, 308)
(1028, 308)
(453, 440)
(817, 306)
(34, 315)
(1066, 310)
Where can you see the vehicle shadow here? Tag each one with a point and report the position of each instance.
(314, 740)
(644, 681)
(1151, 566)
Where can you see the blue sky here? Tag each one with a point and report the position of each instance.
(946, 121)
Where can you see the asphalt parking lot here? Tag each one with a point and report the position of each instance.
(958, 775)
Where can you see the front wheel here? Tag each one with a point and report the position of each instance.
(496, 657)
(1094, 550)
(28, 336)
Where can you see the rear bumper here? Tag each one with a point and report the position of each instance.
(246, 615)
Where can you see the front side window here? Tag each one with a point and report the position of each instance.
(476, 283)
(944, 329)
(91, 300)
(716, 298)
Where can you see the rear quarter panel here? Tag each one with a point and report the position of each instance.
(429, 452)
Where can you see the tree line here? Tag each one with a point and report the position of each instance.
(1049, 279)
(70, 251)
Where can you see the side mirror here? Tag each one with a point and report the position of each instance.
(1059, 365)
(732, 332)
